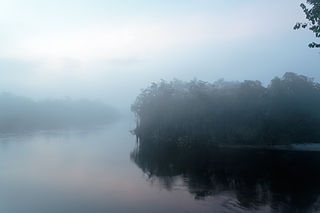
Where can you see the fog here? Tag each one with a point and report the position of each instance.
(20, 114)
(83, 50)
(159, 106)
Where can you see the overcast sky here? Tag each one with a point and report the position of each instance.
(111, 49)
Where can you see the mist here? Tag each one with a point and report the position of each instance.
(18, 114)
(159, 106)
(94, 54)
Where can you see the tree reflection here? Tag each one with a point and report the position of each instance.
(287, 181)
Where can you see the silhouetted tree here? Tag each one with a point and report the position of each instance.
(312, 12)
(190, 130)
(230, 112)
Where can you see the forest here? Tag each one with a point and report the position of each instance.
(19, 113)
(229, 113)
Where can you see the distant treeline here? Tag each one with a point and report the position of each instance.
(22, 114)
(286, 111)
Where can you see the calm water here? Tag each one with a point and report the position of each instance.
(100, 170)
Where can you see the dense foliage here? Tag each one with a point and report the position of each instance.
(228, 113)
(23, 114)
(312, 12)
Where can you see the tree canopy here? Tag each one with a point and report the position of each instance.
(312, 12)
(284, 112)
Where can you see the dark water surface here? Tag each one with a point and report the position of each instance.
(102, 170)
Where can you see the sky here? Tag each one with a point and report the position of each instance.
(110, 49)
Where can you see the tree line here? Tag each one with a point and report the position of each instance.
(19, 113)
(230, 113)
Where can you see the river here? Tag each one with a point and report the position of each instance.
(75, 171)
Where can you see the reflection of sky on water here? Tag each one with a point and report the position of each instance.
(91, 171)
(85, 172)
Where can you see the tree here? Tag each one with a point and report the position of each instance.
(312, 12)
(184, 113)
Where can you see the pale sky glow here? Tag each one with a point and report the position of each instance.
(138, 37)
(129, 41)
(87, 48)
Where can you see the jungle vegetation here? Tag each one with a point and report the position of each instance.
(230, 113)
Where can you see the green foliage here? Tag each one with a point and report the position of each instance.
(312, 12)
(183, 113)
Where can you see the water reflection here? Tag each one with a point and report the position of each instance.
(283, 181)
(90, 171)
(81, 172)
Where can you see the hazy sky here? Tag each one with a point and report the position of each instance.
(110, 49)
